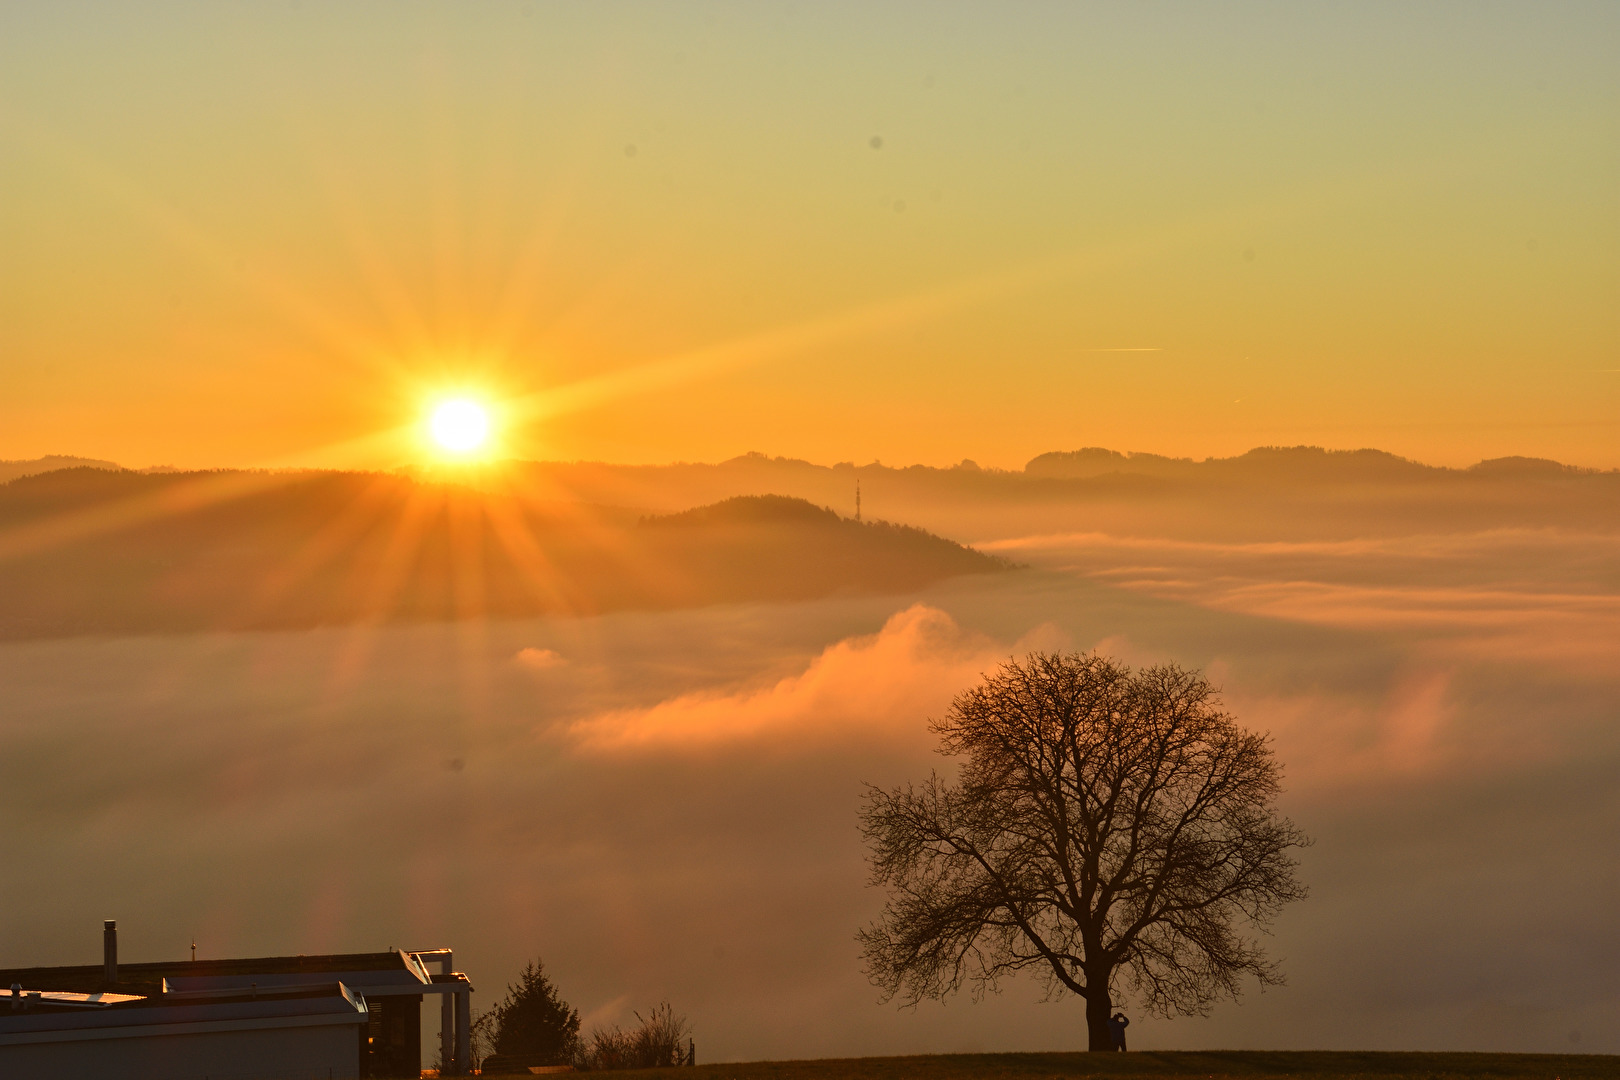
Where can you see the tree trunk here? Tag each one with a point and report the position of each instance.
(1099, 1006)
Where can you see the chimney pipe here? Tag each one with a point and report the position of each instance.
(109, 950)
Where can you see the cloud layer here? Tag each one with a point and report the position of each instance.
(663, 805)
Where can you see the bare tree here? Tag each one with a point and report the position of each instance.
(480, 1037)
(1103, 823)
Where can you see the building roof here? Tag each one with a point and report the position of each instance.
(377, 974)
(311, 1005)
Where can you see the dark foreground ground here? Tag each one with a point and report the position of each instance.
(1213, 1064)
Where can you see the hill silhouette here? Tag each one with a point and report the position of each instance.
(11, 470)
(86, 550)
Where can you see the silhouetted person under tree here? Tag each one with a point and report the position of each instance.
(1116, 1028)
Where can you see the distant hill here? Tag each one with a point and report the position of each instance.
(1293, 465)
(87, 550)
(11, 470)
(1265, 464)
(1268, 493)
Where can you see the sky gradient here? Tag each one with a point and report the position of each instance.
(271, 234)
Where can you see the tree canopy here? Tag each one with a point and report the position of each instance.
(1103, 823)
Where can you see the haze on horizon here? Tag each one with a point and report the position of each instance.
(271, 234)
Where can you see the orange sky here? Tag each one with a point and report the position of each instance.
(269, 235)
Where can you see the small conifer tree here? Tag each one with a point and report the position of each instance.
(534, 1024)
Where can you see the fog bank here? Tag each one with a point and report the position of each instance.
(663, 805)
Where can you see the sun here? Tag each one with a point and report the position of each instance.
(460, 425)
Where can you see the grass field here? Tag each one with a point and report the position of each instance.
(1216, 1065)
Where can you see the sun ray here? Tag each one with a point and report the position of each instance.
(162, 220)
(343, 530)
(918, 307)
(169, 498)
(380, 587)
(537, 571)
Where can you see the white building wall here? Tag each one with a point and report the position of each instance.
(289, 1053)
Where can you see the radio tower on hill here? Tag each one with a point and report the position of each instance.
(857, 500)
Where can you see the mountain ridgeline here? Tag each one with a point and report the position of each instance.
(1270, 493)
(88, 550)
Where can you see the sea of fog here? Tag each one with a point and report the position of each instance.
(662, 806)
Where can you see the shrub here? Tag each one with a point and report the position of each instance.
(659, 1041)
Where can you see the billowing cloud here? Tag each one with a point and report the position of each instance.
(540, 659)
(1334, 742)
(877, 684)
(884, 681)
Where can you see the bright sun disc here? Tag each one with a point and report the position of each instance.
(460, 426)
